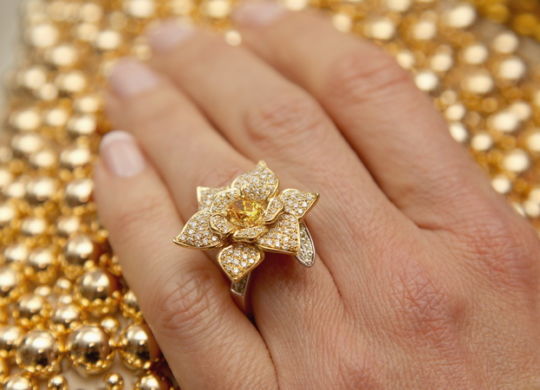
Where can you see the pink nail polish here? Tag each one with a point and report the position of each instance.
(121, 155)
(258, 13)
(168, 35)
(130, 77)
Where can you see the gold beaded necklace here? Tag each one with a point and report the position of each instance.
(60, 284)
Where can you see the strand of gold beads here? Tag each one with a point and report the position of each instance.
(65, 311)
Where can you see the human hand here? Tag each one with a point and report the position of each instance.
(426, 279)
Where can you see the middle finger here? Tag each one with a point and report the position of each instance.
(274, 118)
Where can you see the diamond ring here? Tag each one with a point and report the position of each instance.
(248, 218)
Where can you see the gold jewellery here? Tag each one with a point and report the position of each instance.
(247, 218)
(66, 314)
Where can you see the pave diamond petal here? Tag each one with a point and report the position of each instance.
(249, 234)
(206, 195)
(283, 236)
(239, 259)
(223, 199)
(306, 254)
(221, 224)
(259, 184)
(297, 202)
(197, 233)
(273, 209)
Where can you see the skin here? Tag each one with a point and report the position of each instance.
(425, 278)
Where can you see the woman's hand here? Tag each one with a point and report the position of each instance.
(426, 278)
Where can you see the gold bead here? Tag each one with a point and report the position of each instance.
(71, 82)
(511, 69)
(42, 265)
(78, 192)
(89, 350)
(139, 349)
(67, 225)
(43, 35)
(506, 42)
(7, 214)
(517, 160)
(31, 309)
(34, 226)
(460, 16)
(57, 382)
(64, 55)
(80, 250)
(16, 255)
(130, 305)
(110, 325)
(114, 381)
(82, 125)
(39, 353)
(40, 190)
(10, 339)
(26, 120)
(139, 8)
(426, 80)
(98, 291)
(44, 159)
(63, 286)
(151, 382)
(75, 157)
(11, 284)
(65, 316)
(20, 382)
(26, 144)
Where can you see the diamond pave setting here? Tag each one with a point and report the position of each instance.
(247, 218)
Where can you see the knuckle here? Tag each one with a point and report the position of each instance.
(422, 309)
(353, 79)
(287, 119)
(508, 250)
(182, 305)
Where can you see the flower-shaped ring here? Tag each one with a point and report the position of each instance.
(246, 219)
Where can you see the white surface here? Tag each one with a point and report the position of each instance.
(9, 34)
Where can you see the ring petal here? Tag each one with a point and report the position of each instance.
(206, 195)
(221, 224)
(197, 233)
(249, 234)
(306, 253)
(237, 260)
(298, 203)
(223, 199)
(273, 210)
(259, 184)
(283, 236)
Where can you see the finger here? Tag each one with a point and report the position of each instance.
(177, 138)
(183, 296)
(391, 124)
(273, 118)
(187, 152)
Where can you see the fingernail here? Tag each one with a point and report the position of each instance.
(121, 155)
(168, 35)
(130, 77)
(258, 13)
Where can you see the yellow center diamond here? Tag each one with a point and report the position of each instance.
(245, 213)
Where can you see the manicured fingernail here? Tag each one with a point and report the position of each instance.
(258, 13)
(129, 77)
(168, 35)
(121, 155)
